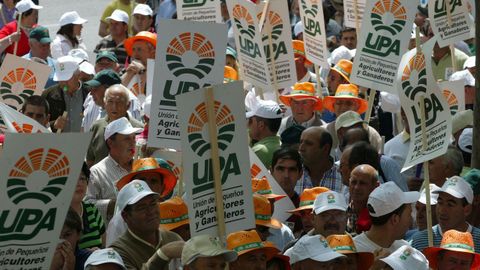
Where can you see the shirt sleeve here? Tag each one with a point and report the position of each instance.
(94, 193)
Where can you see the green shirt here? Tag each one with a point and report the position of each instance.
(93, 227)
(440, 69)
(265, 148)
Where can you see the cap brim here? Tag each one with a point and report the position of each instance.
(131, 130)
(287, 100)
(250, 114)
(269, 251)
(80, 21)
(274, 196)
(45, 40)
(169, 180)
(328, 256)
(172, 226)
(272, 223)
(330, 100)
(341, 74)
(93, 83)
(452, 192)
(411, 197)
(301, 208)
(62, 77)
(327, 208)
(87, 68)
(140, 196)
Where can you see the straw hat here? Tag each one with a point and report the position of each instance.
(346, 91)
(343, 244)
(263, 213)
(173, 213)
(246, 241)
(262, 187)
(307, 198)
(453, 240)
(299, 50)
(344, 68)
(305, 90)
(229, 74)
(143, 35)
(145, 165)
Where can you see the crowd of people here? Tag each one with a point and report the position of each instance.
(354, 207)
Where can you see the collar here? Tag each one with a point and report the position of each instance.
(307, 123)
(145, 242)
(405, 136)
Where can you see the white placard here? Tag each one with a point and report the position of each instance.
(202, 11)
(233, 155)
(314, 35)
(189, 56)
(349, 12)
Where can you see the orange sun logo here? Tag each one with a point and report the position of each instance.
(451, 100)
(389, 16)
(18, 85)
(241, 17)
(273, 24)
(414, 77)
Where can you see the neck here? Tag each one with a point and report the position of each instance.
(461, 227)
(318, 170)
(358, 206)
(148, 236)
(123, 162)
(119, 39)
(440, 53)
(380, 236)
(71, 88)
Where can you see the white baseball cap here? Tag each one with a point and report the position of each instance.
(388, 197)
(119, 16)
(433, 195)
(87, 68)
(330, 200)
(313, 247)
(102, 256)
(348, 119)
(465, 140)
(71, 17)
(463, 75)
(205, 246)
(340, 53)
(470, 62)
(26, 5)
(461, 120)
(131, 193)
(79, 53)
(65, 66)
(266, 109)
(407, 258)
(122, 126)
(298, 29)
(458, 188)
(143, 9)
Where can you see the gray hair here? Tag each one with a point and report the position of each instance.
(454, 158)
(119, 89)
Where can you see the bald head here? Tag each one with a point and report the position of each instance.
(363, 180)
(365, 171)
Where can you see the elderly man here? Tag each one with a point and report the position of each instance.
(252, 252)
(144, 245)
(140, 48)
(36, 107)
(206, 252)
(114, 42)
(105, 259)
(263, 124)
(95, 105)
(391, 215)
(119, 135)
(142, 19)
(363, 180)
(67, 96)
(319, 168)
(39, 41)
(445, 166)
(116, 104)
(330, 216)
(304, 104)
(454, 204)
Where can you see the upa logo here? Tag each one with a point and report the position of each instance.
(187, 54)
(274, 26)
(25, 183)
(440, 7)
(197, 131)
(312, 26)
(246, 27)
(414, 85)
(451, 100)
(18, 85)
(387, 17)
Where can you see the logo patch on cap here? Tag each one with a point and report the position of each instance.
(331, 198)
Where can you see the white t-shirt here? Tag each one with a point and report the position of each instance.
(364, 244)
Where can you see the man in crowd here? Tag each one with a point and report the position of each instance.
(252, 252)
(142, 19)
(114, 42)
(313, 252)
(330, 214)
(140, 48)
(36, 107)
(105, 259)
(39, 41)
(206, 252)
(106, 60)
(445, 166)
(348, 38)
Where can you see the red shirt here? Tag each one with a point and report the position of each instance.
(23, 46)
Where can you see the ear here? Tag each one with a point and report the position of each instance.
(467, 210)
(109, 143)
(125, 216)
(394, 219)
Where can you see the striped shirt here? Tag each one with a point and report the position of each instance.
(93, 227)
(420, 239)
(331, 179)
(101, 188)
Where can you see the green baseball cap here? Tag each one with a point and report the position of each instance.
(105, 77)
(106, 54)
(40, 34)
(473, 178)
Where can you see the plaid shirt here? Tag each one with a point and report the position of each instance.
(108, 44)
(331, 179)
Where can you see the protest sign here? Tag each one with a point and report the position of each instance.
(349, 13)
(386, 31)
(203, 11)
(314, 35)
(38, 177)
(16, 122)
(277, 44)
(150, 75)
(233, 154)
(190, 56)
(415, 79)
(454, 94)
(452, 25)
(248, 40)
(21, 78)
(258, 170)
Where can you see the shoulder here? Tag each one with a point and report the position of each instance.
(168, 236)
(51, 92)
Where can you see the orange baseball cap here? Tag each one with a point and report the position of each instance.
(299, 50)
(346, 91)
(305, 90)
(229, 74)
(246, 241)
(143, 35)
(173, 213)
(263, 213)
(307, 198)
(453, 240)
(344, 68)
(343, 244)
(262, 187)
(150, 164)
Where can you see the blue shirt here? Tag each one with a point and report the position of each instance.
(51, 64)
